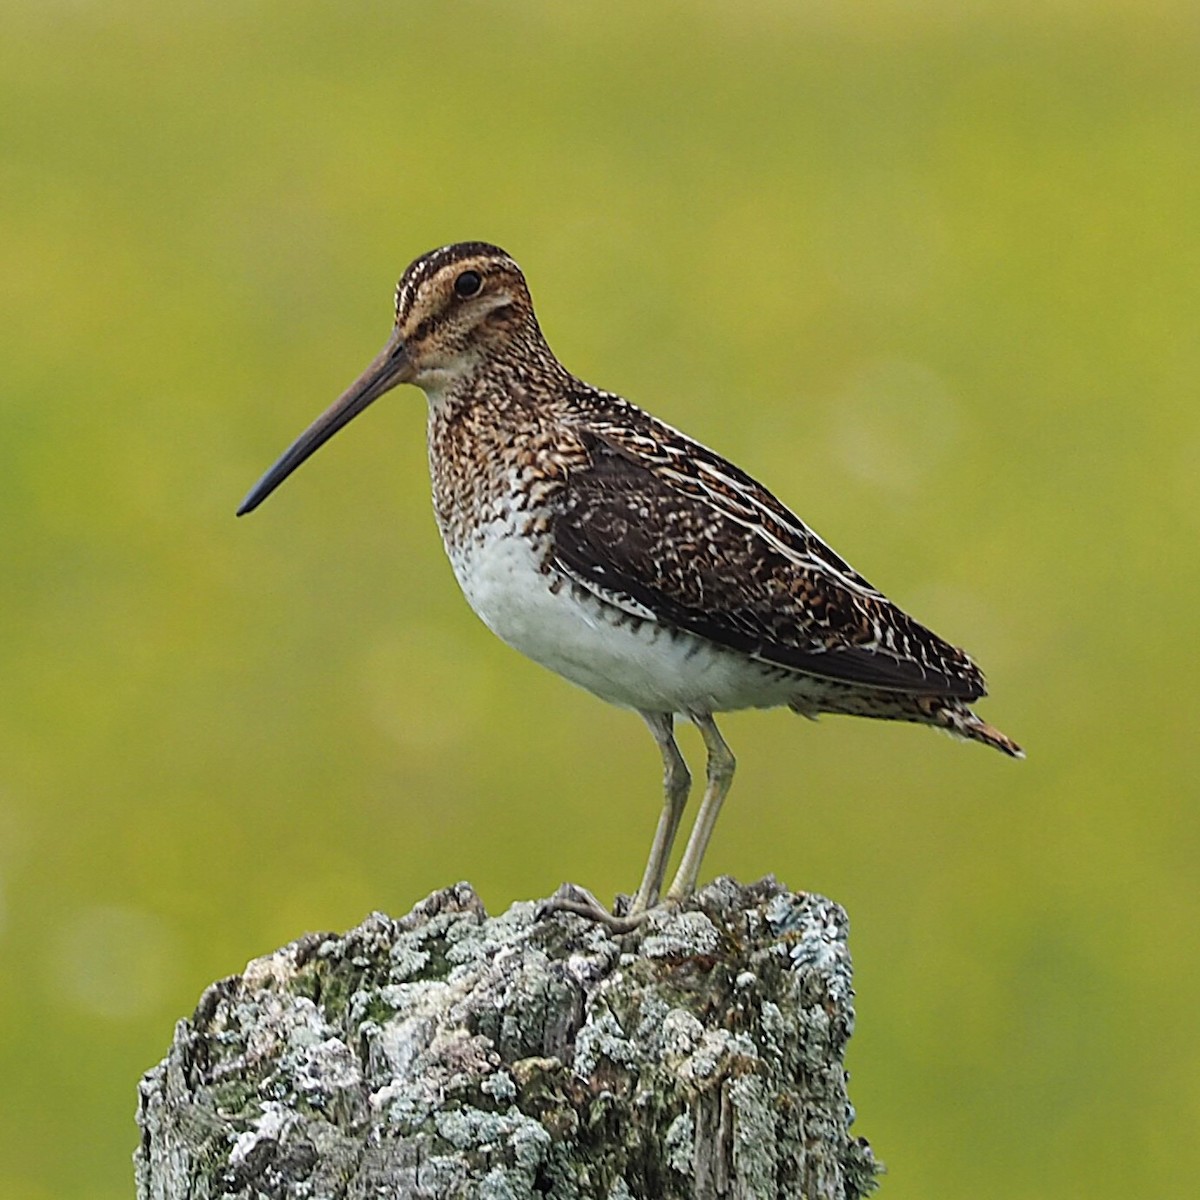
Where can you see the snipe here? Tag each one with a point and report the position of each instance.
(630, 559)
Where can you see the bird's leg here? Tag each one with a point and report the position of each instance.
(677, 782)
(578, 900)
(721, 764)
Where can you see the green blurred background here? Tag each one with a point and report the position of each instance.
(929, 270)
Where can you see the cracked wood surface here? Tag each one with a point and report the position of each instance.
(532, 1054)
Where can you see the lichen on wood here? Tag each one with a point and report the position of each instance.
(532, 1054)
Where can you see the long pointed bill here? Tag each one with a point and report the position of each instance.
(390, 367)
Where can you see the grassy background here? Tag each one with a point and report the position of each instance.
(929, 270)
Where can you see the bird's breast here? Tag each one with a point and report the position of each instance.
(494, 464)
(498, 479)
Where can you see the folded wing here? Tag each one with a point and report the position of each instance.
(670, 531)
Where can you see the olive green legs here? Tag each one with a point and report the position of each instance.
(721, 765)
(677, 782)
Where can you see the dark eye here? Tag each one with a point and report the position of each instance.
(468, 284)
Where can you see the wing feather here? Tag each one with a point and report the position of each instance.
(677, 532)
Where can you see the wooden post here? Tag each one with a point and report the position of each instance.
(533, 1054)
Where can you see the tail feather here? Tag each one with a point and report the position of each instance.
(960, 720)
(947, 713)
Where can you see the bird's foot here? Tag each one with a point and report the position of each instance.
(578, 900)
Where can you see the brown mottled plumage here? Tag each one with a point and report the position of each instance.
(627, 557)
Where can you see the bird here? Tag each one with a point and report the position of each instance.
(627, 557)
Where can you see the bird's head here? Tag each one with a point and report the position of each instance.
(456, 307)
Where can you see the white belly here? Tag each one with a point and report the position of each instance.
(626, 661)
